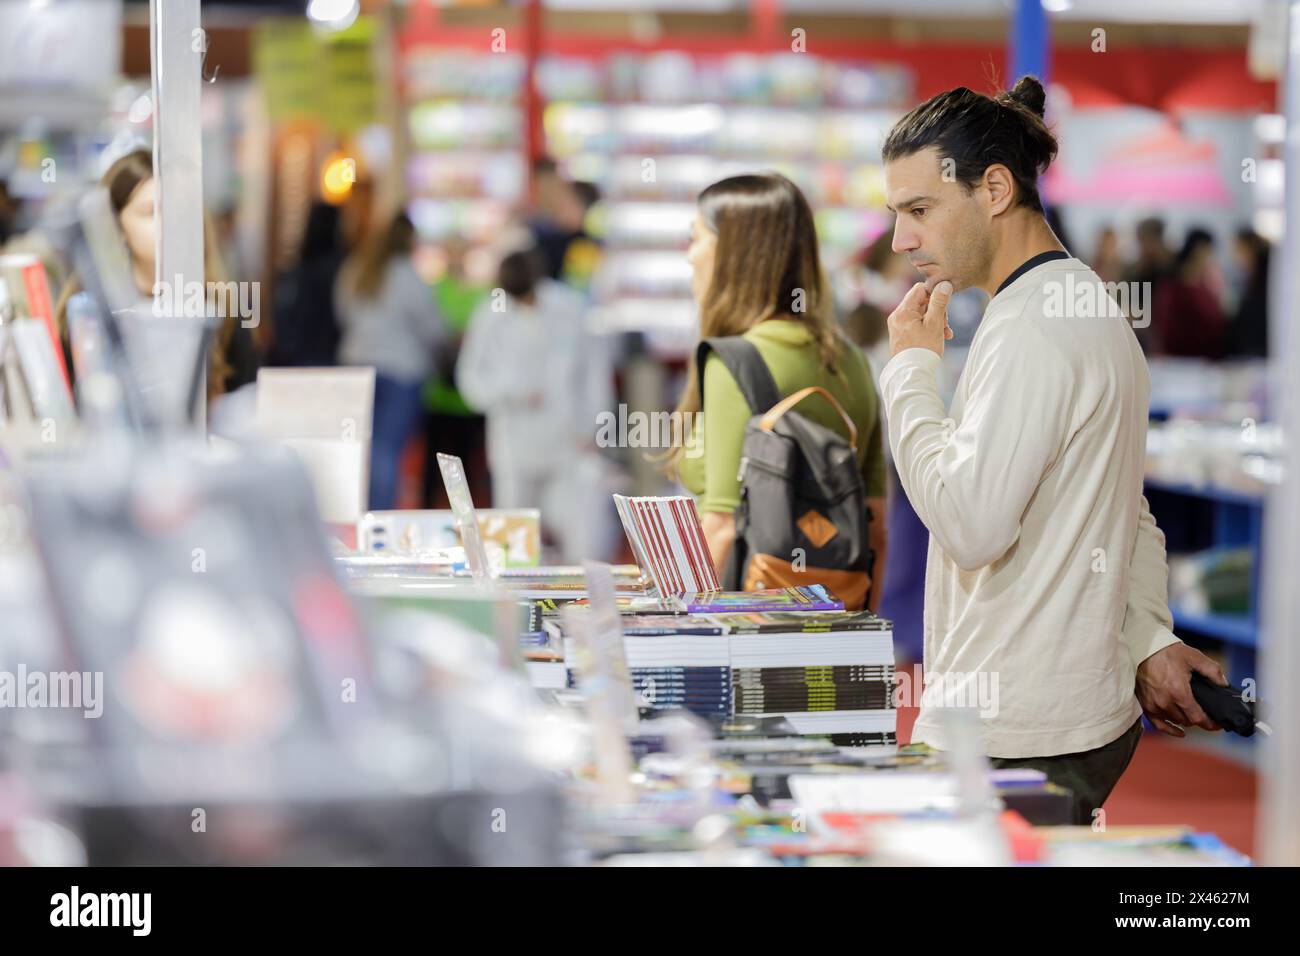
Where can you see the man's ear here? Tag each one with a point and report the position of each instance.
(1001, 186)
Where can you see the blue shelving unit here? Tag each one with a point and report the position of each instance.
(1236, 520)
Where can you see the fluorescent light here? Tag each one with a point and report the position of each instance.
(336, 14)
(1057, 6)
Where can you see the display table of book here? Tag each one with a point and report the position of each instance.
(751, 728)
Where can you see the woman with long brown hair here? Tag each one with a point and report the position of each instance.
(756, 273)
(232, 357)
(389, 321)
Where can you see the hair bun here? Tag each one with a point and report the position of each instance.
(1029, 93)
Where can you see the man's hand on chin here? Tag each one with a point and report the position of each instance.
(1164, 688)
(921, 319)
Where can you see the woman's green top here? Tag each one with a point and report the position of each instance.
(788, 348)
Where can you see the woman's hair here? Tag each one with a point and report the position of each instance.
(320, 235)
(121, 180)
(977, 131)
(765, 264)
(1196, 239)
(125, 176)
(378, 251)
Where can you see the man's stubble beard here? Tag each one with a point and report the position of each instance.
(972, 255)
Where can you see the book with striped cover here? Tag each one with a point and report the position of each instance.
(668, 543)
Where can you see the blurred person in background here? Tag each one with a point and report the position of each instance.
(1150, 270)
(1154, 258)
(542, 214)
(1248, 329)
(557, 223)
(307, 329)
(1188, 319)
(529, 364)
(451, 425)
(389, 321)
(753, 248)
(884, 280)
(583, 252)
(132, 193)
(877, 285)
(1106, 259)
(865, 328)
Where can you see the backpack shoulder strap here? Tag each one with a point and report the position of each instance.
(746, 365)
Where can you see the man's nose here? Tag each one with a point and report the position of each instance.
(904, 241)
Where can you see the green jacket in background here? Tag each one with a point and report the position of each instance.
(456, 300)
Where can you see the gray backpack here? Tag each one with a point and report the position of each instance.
(802, 517)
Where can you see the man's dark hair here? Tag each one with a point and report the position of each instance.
(588, 193)
(978, 131)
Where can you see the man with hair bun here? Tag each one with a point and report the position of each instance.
(1046, 578)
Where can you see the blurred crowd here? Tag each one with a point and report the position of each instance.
(484, 351)
(1205, 302)
(1190, 299)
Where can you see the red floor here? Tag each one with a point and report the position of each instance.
(1170, 781)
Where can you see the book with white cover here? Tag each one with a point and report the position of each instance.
(668, 543)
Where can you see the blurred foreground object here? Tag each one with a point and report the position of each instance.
(215, 697)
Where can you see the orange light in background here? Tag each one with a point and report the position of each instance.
(337, 177)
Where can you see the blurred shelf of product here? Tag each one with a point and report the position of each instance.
(1212, 461)
(1198, 386)
(467, 170)
(62, 96)
(653, 130)
(650, 131)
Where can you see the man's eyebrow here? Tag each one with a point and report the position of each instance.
(909, 203)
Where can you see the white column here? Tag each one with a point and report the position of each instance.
(176, 44)
(1279, 819)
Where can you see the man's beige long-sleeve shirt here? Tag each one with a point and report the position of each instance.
(1046, 579)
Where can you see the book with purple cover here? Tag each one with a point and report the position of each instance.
(812, 597)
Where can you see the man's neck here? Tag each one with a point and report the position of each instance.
(1025, 235)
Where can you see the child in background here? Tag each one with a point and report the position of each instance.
(532, 367)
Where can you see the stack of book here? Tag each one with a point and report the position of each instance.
(829, 673)
(679, 662)
(788, 652)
